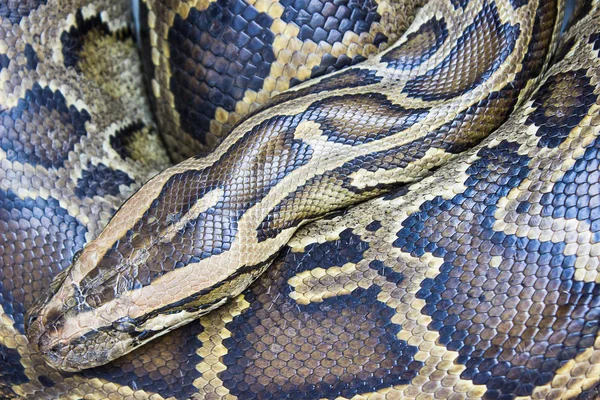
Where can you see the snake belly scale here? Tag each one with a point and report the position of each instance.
(478, 281)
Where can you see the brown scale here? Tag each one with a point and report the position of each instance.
(559, 104)
(190, 361)
(54, 120)
(197, 221)
(510, 318)
(42, 128)
(355, 78)
(419, 45)
(192, 242)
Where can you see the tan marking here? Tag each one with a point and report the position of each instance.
(213, 350)
(414, 331)
(363, 178)
(543, 175)
(163, 321)
(240, 248)
(390, 393)
(298, 242)
(207, 201)
(308, 289)
(571, 379)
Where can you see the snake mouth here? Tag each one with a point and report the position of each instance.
(62, 355)
(43, 321)
(43, 338)
(42, 326)
(86, 349)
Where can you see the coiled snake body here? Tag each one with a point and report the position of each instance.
(474, 276)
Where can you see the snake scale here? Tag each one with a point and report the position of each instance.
(470, 272)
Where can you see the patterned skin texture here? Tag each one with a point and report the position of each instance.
(216, 61)
(480, 281)
(358, 304)
(71, 103)
(216, 223)
(220, 72)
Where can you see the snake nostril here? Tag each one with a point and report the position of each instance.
(53, 353)
(30, 321)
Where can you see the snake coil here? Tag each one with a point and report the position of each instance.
(468, 270)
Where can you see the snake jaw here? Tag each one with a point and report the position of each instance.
(41, 315)
(67, 329)
(49, 330)
(47, 317)
(41, 331)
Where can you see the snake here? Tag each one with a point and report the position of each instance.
(215, 222)
(467, 270)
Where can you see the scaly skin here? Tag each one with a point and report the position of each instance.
(216, 222)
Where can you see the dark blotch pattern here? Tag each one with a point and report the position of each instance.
(325, 21)
(41, 129)
(560, 105)
(330, 64)
(12, 372)
(340, 118)
(577, 194)
(15, 10)
(146, 51)
(353, 78)
(564, 47)
(4, 61)
(44, 380)
(314, 351)
(547, 317)
(73, 40)
(124, 138)
(328, 21)
(419, 46)
(373, 226)
(592, 393)
(539, 45)
(594, 40)
(518, 3)
(479, 52)
(358, 119)
(396, 193)
(167, 367)
(28, 265)
(100, 180)
(467, 129)
(31, 56)
(459, 3)
(216, 55)
(388, 273)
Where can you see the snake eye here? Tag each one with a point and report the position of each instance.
(76, 256)
(124, 324)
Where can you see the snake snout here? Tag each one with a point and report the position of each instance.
(57, 353)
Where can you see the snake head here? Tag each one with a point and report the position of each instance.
(68, 342)
(45, 318)
(92, 313)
